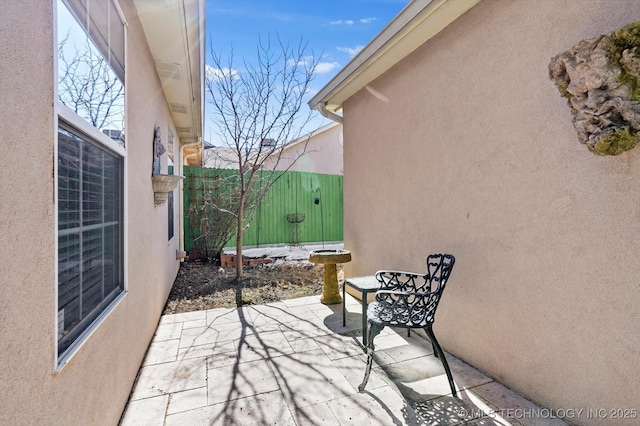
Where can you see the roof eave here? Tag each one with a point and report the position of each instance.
(175, 32)
(418, 22)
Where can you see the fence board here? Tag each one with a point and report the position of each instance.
(293, 192)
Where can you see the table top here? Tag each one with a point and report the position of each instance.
(365, 283)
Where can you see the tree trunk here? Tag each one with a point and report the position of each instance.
(239, 238)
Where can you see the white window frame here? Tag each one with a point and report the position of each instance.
(61, 112)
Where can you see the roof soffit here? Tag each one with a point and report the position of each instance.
(175, 34)
(417, 23)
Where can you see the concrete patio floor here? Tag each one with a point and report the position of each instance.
(293, 363)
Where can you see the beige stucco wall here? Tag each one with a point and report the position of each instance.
(322, 154)
(466, 147)
(94, 386)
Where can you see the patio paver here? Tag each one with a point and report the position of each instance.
(293, 363)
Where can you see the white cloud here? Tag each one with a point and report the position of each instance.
(351, 21)
(220, 73)
(307, 60)
(342, 22)
(326, 67)
(321, 67)
(351, 51)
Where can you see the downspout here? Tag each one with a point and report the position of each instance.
(181, 173)
(322, 107)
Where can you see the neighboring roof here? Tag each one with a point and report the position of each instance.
(220, 157)
(418, 22)
(175, 31)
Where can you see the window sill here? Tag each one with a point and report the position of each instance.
(63, 360)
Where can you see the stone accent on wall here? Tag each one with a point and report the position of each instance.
(600, 78)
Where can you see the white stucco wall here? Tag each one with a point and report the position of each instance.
(321, 153)
(468, 148)
(318, 152)
(94, 386)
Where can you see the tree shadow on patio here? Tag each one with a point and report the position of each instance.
(284, 369)
(433, 408)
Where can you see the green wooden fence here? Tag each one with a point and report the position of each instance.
(316, 197)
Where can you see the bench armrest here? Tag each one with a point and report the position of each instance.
(401, 280)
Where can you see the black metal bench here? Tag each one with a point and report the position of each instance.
(409, 300)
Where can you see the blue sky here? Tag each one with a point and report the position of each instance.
(335, 29)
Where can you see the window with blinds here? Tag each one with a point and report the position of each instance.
(90, 270)
(90, 169)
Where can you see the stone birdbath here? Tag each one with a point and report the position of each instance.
(329, 258)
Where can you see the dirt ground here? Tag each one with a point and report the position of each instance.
(206, 286)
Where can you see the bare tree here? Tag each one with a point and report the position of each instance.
(211, 197)
(258, 112)
(88, 85)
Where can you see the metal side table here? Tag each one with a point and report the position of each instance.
(365, 285)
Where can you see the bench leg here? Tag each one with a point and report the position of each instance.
(440, 354)
(344, 306)
(374, 330)
(364, 319)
